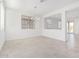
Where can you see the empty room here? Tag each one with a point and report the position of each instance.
(39, 28)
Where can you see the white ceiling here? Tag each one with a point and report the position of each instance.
(35, 8)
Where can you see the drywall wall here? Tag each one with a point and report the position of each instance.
(2, 32)
(13, 26)
(76, 26)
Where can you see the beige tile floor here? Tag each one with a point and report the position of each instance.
(37, 47)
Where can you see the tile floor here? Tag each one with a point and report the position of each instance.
(37, 47)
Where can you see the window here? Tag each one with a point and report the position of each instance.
(53, 22)
(27, 22)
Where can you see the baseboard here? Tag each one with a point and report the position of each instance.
(54, 38)
(37, 36)
(25, 37)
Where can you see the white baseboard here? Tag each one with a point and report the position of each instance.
(53, 38)
(25, 37)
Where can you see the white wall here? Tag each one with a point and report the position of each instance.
(76, 26)
(2, 32)
(13, 26)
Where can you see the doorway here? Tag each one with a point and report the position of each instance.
(72, 17)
